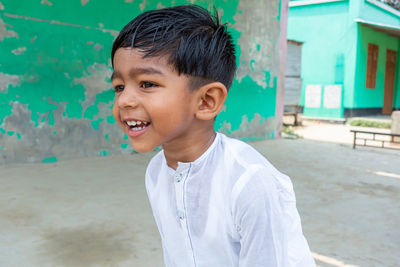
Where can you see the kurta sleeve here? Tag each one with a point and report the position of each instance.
(258, 217)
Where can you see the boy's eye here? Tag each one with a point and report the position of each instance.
(147, 84)
(119, 88)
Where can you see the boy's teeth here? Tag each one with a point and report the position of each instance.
(134, 123)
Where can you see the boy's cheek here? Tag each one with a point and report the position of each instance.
(115, 112)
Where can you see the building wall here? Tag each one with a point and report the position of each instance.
(328, 50)
(55, 90)
(367, 11)
(372, 98)
(396, 93)
(371, 12)
(335, 51)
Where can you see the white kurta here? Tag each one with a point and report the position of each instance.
(230, 207)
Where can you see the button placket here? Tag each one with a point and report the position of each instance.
(181, 214)
(178, 177)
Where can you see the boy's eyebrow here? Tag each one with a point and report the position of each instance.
(137, 71)
(114, 75)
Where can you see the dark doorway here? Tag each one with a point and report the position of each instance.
(390, 73)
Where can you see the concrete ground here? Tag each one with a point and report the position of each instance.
(94, 211)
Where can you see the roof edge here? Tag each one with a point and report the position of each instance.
(311, 2)
(389, 29)
(381, 25)
(384, 7)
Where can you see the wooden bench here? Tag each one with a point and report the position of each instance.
(293, 110)
(294, 114)
(371, 136)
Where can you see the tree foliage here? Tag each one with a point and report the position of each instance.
(393, 3)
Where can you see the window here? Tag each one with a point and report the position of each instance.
(372, 63)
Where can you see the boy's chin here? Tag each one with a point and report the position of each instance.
(142, 148)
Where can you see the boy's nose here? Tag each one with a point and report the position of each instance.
(127, 99)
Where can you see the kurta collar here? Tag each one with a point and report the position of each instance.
(184, 166)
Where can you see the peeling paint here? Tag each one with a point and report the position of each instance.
(160, 5)
(1, 6)
(95, 82)
(142, 5)
(98, 47)
(259, 128)
(56, 94)
(84, 2)
(4, 33)
(47, 2)
(112, 32)
(257, 41)
(71, 138)
(19, 51)
(50, 160)
(7, 80)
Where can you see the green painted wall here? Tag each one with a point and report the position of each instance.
(372, 98)
(396, 93)
(55, 92)
(328, 50)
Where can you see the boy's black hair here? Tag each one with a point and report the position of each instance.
(195, 42)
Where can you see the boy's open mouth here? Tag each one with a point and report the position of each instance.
(137, 125)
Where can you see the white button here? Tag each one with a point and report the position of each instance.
(181, 214)
(178, 177)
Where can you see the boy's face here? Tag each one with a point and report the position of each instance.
(153, 104)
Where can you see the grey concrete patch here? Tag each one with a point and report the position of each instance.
(259, 45)
(94, 82)
(6, 80)
(258, 127)
(62, 140)
(4, 33)
(19, 51)
(95, 212)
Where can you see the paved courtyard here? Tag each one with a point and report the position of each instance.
(94, 211)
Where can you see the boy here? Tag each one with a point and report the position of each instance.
(216, 201)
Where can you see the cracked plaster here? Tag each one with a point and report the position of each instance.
(259, 40)
(6, 80)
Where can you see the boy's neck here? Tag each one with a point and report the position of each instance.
(188, 149)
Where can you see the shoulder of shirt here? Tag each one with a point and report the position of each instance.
(257, 168)
(243, 153)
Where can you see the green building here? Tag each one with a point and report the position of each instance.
(55, 90)
(346, 56)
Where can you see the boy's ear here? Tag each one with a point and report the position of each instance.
(210, 100)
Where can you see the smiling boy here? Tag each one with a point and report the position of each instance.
(216, 201)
